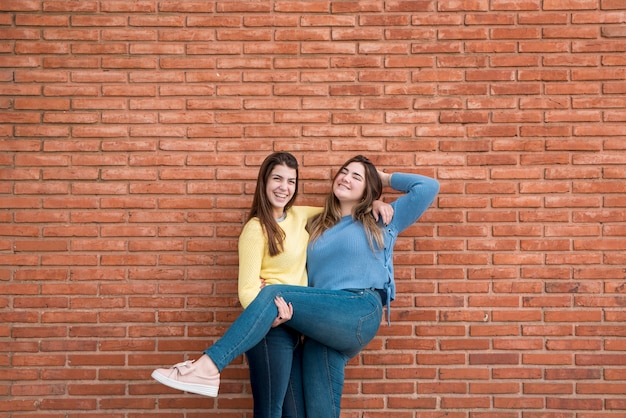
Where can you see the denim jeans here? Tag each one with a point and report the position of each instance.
(342, 320)
(276, 375)
(323, 377)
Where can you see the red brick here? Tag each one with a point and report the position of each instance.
(131, 134)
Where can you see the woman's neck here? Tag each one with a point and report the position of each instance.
(346, 209)
(278, 214)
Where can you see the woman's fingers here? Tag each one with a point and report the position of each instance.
(285, 311)
(288, 312)
(283, 308)
(387, 214)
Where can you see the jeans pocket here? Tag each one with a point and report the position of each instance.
(368, 325)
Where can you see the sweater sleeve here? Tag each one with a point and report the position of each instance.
(420, 194)
(251, 246)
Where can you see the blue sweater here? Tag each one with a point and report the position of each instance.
(341, 258)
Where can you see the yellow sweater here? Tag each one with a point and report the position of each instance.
(288, 267)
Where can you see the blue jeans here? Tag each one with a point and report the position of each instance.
(276, 375)
(323, 377)
(342, 320)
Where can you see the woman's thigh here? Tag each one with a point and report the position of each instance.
(341, 319)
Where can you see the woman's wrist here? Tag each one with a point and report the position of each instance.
(385, 178)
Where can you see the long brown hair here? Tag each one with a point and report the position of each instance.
(362, 212)
(261, 206)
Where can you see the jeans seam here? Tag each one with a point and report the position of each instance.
(268, 380)
(330, 382)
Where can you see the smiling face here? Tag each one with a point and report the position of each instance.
(280, 188)
(349, 186)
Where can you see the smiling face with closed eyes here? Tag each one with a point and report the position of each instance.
(349, 186)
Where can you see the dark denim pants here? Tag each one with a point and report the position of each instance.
(342, 320)
(276, 375)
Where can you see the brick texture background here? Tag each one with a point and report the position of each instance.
(130, 138)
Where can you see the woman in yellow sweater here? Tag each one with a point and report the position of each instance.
(272, 250)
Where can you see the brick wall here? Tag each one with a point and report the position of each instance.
(130, 138)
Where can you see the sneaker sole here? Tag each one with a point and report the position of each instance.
(198, 389)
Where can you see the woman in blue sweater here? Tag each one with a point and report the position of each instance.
(350, 269)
